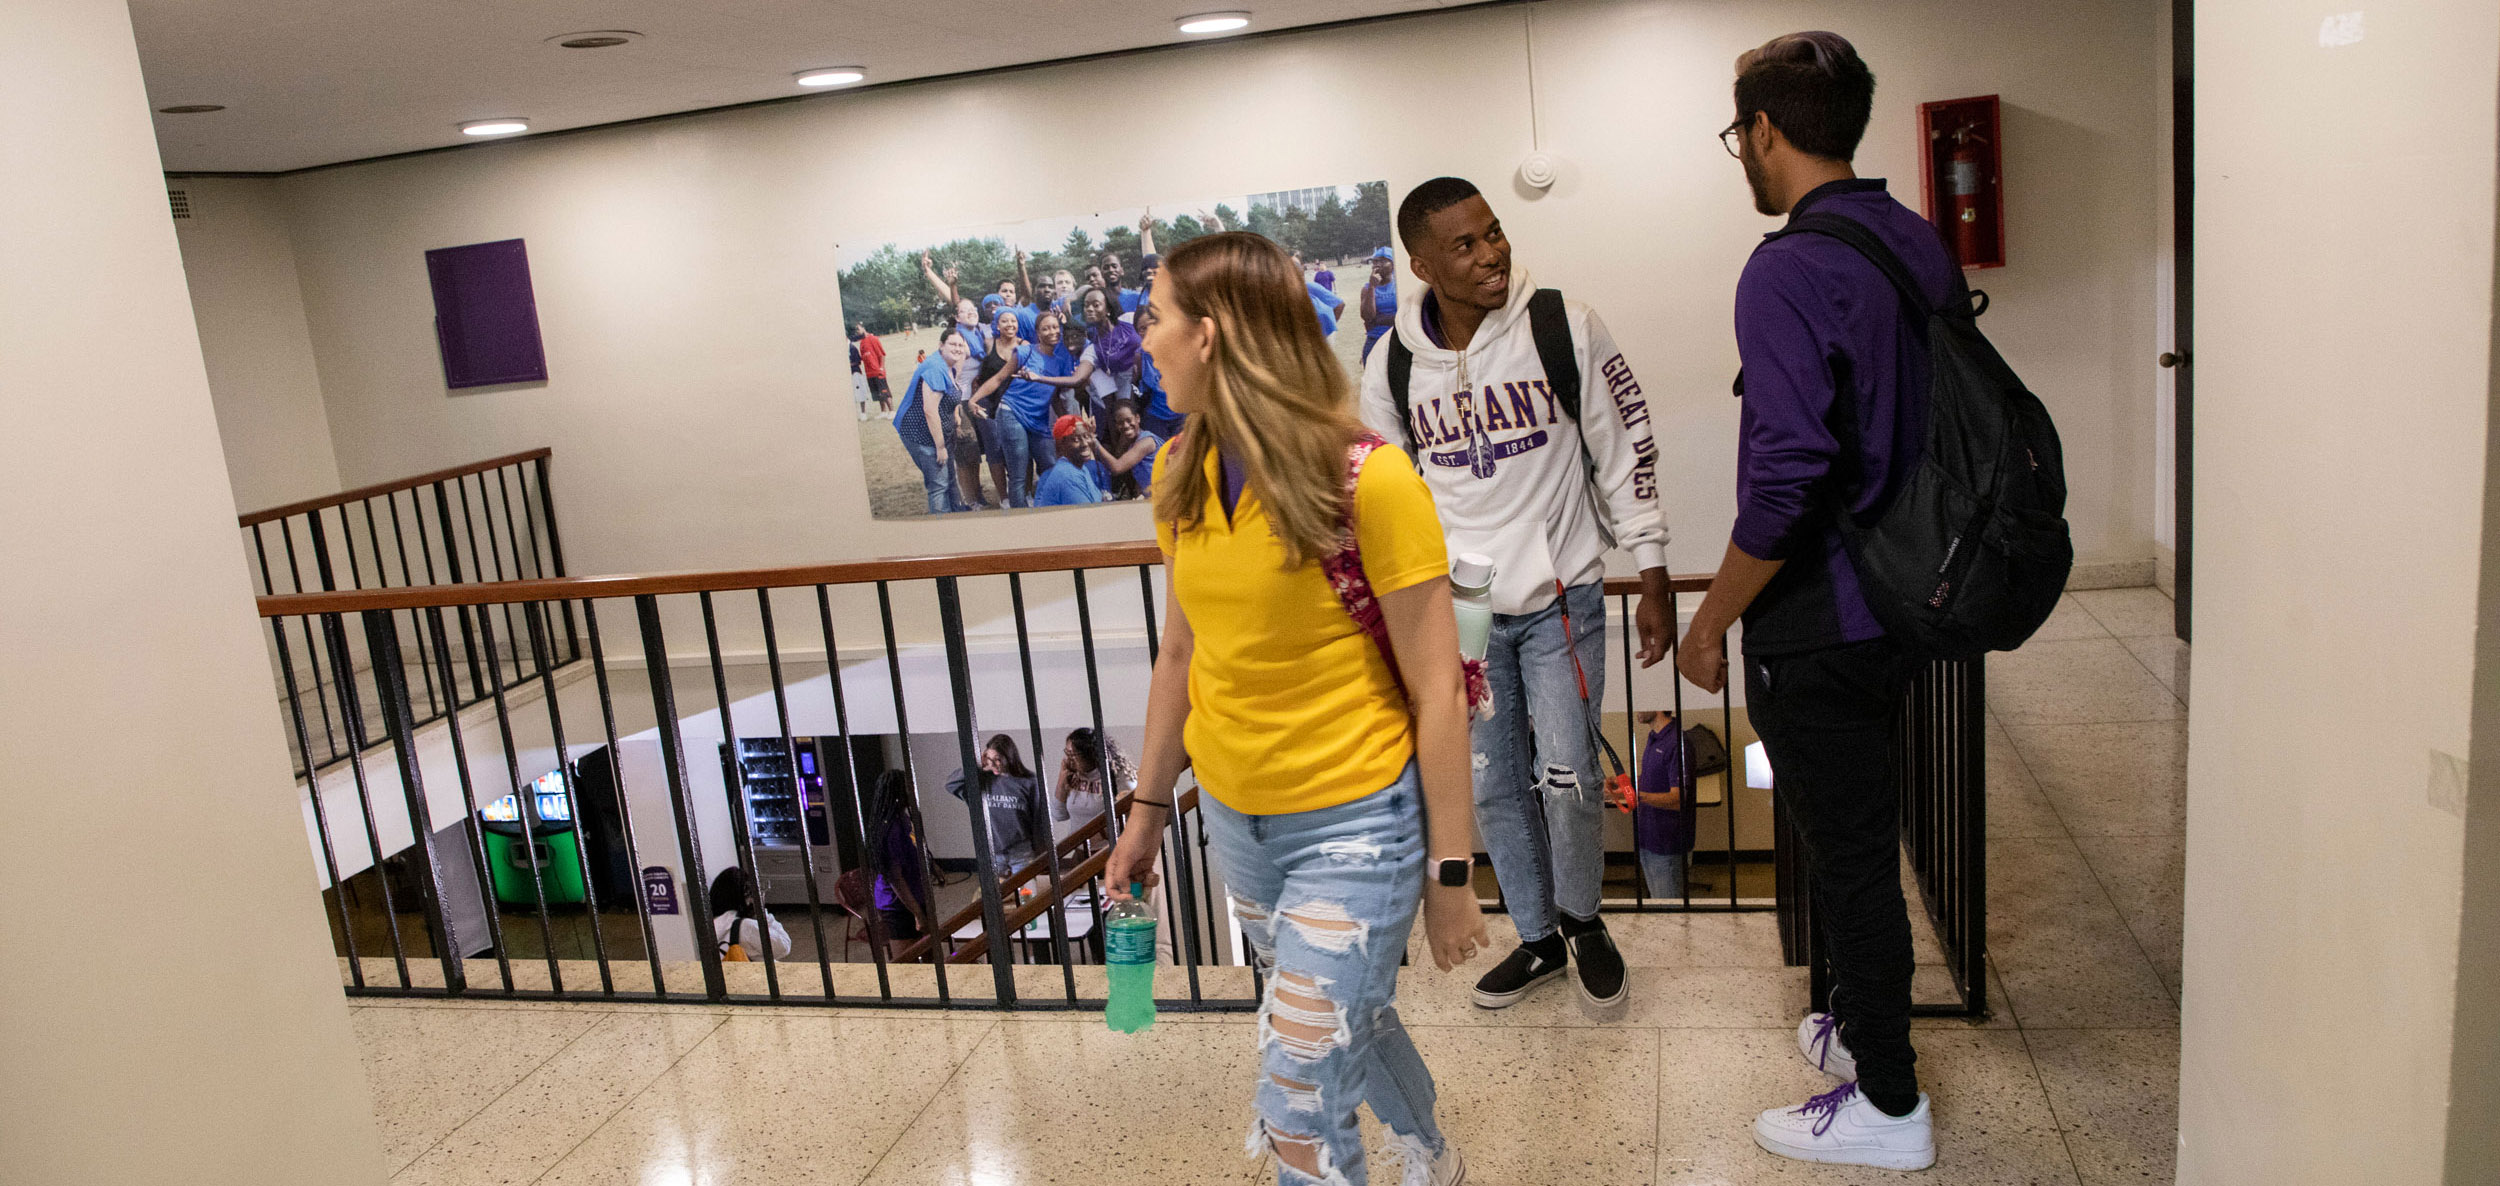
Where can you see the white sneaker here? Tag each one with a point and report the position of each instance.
(1449, 1169)
(1839, 1127)
(1818, 1038)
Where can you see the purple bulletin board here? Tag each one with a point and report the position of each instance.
(485, 316)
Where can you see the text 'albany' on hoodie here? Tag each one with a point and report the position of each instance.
(1514, 476)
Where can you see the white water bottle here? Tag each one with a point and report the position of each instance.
(1471, 594)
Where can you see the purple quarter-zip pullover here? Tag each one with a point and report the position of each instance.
(1812, 315)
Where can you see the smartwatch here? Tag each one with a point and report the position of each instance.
(1454, 871)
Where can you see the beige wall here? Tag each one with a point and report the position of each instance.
(684, 269)
(241, 270)
(172, 1013)
(2344, 319)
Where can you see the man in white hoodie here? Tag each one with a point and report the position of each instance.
(1535, 441)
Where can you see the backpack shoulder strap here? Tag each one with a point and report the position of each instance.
(1550, 325)
(1344, 566)
(1401, 379)
(1868, 244)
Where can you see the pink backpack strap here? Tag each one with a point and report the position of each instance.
(1344, 568)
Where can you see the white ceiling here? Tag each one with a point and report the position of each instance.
(314, 82)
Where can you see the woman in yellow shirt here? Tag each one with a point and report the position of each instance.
(1338, 795)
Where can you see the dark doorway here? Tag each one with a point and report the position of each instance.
(2182, 356)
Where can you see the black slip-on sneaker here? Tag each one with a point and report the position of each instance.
(1602, 982)
(1515, 977)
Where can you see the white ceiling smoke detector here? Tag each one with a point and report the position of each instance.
(1208, 23)
(1539, 171)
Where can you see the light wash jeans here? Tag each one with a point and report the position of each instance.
(1346, 881)
(1663, 872)
(1539, 794)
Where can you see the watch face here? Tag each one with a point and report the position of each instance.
(1455, 871)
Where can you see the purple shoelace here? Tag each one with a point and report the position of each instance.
(1821, 1044)
(1825, 1108)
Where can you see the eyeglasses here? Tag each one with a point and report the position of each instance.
(1732, 138)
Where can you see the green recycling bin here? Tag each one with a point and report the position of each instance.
(558, 845)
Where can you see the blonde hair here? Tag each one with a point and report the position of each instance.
(1277, 402)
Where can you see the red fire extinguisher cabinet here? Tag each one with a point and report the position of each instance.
(1963, 183)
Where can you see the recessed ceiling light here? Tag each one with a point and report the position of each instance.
(831, 76)
(192, 108)
(595, 39)
(495, 127)
(1214, 22)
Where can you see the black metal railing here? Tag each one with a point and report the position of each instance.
(491, 520)
(565, 853)
(1731, 860)
(427, 896)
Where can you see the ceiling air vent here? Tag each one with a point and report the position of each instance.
(181, 200)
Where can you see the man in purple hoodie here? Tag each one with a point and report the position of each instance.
(1835, 407)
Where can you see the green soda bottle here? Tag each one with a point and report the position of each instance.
(1129, 950)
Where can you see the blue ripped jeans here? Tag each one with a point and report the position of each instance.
(1345, 882)
(1539, 794)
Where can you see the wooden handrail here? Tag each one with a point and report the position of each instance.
(1023, 915)
(1069, 878)
(394, 486)
(1068, 845)
(849, 572)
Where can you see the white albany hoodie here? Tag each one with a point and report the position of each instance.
(1504, 461)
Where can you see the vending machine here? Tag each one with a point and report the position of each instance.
(785, 799)
(533, 833)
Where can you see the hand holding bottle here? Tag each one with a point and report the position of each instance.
(1132, 860)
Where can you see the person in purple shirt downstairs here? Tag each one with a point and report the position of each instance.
(1835, 388)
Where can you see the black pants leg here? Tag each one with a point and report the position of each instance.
(1825, 718)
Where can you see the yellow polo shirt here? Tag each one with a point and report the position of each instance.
(1291, 707)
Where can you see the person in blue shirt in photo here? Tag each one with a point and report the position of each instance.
(1043, 368)
(929, 402)
(1002, 437)
(1067, 484)
(1004, 301)
(1114, 272)
(1379, 302)
(967, 311)
(1324, 301)
(1065, 363)
(1161, 420)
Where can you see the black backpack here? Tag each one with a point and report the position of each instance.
(1969, 551)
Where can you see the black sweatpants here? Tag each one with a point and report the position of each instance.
(1825, 718)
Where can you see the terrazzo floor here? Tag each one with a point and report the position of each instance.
(2073, 1080)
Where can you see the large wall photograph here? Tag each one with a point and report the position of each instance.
(998, 368)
